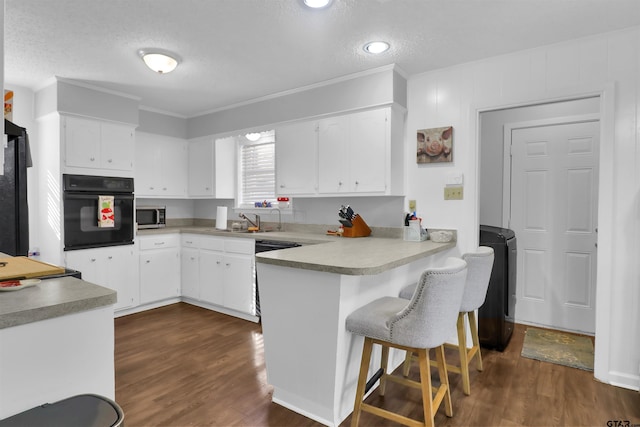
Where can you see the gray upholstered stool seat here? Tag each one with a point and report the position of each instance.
(479, 267)
(417, 325)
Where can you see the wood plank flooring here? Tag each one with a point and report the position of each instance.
(182, 365)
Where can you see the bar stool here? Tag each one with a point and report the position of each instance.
(479, 264)
(418, 325)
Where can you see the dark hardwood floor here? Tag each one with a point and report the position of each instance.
(182, 365)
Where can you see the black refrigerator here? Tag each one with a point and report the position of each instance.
(14, 211)
(496, 317)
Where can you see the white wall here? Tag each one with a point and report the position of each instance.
(608, 65)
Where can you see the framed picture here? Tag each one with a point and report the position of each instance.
(435, 145)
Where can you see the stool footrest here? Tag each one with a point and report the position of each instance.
(373, 380)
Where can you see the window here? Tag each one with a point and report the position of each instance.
(257, 170)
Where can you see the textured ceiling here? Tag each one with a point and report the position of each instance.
(234, 51)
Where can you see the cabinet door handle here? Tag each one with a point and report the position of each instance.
(110, 257)
(92, 158)
(93, 260)
(339, 182)
(357, 183)
(110, 161)
(159, 243)
(148, 261)
(281, 185)
(227, 264)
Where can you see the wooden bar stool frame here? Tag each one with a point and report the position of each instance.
(480, 265)
(430, 402)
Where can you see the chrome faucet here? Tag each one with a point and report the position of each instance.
(255, 224)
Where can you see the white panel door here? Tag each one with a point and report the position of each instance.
(554, 191)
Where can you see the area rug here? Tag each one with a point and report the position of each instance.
(558, 347)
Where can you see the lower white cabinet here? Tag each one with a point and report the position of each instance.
(159, 267)
(113, 267)
(223, 272)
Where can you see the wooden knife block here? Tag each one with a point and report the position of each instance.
(359, 229)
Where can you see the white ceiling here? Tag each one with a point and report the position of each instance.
(234, 51)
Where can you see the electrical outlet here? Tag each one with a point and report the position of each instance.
(412, 205)
(453, 193)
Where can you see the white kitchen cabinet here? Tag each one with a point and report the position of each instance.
(114, 267)
(238, 282)
(211, 277)
(161, 166)
(189, 265)
(201, 168)
(297, 159)
(225, 271)
(211, 168)
(333, 155)
(361, 153)
(96, 144)
(159, 267)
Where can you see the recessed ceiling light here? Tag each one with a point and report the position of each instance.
(317, 4)
(376, 47)
(160, 61)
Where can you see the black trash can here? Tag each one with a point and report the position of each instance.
(84, 410)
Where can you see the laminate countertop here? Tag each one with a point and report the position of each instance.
(331, 254)
(51, 298)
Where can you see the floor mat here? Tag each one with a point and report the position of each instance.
(558, 347)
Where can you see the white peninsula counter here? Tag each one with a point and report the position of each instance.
(56, 341)
(306, 293)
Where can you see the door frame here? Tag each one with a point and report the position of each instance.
(602, 369)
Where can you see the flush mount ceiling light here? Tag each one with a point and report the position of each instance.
(160, 61)
(317, 4)
(253, 137)
(376, 47)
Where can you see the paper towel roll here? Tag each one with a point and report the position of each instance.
(221, 218)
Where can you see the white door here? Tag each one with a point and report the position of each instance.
(554, 183)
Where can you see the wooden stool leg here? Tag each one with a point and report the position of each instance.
(362, 379)
(407, 363)
(384, 362)
(425, 382)
(474, 337)
(462, 350)
(444, 380)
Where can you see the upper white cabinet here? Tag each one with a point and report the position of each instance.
(351, 154)
(357, 152)
(96, 144)
(161, 166)
(297, 159)
(211, 168)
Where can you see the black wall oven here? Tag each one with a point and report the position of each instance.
(82, 195)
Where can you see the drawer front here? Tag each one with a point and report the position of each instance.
(240, 246)
(159, 242)
(190, 241)
(212, 243)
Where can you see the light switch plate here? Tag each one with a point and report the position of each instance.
(453, 193)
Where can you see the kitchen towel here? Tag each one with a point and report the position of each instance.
(106, 217)
(221, 218)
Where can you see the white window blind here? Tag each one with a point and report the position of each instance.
(258, 173)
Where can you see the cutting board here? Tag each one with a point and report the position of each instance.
(25, 268)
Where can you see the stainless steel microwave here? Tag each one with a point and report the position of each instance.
(151, 216)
